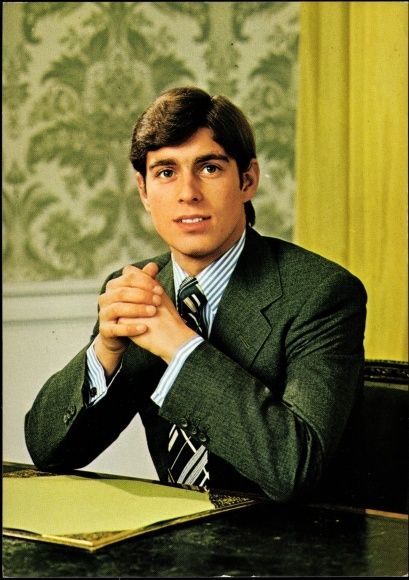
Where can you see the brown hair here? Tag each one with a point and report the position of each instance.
(178, 113)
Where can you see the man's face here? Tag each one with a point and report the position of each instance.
(193, 194)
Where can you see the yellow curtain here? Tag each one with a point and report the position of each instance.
(351, 164)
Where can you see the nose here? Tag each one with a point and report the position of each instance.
(190, 190)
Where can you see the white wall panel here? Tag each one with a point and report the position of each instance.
(44, 326)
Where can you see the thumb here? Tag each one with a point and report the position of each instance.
(151, 269)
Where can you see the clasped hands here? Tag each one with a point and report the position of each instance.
(134, 306)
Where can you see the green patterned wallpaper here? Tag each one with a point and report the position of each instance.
(75, 77)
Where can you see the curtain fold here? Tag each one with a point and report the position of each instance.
(351, 154)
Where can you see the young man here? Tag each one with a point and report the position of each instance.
(245, 375)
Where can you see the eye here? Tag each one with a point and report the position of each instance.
(165, 173)
(210, 169)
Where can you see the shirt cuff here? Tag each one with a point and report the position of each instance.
(175, 365)
(96, 385)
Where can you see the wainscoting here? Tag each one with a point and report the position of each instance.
(44, 325)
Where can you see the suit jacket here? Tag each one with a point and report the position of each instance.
(270, 393)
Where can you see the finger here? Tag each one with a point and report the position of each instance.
(128, 328)
(137, 278)
(118, 310)
(126, 294)
(151, 269)
(132, 279)
(132, 276)
(129, 321)
(130, 269)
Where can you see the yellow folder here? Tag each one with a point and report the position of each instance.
(90, 511)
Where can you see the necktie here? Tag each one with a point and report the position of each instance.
(187, 457)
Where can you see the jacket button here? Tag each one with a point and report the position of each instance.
(66, 418)
(202, 437)
(71, 410)
(193, 430)
(184, 423)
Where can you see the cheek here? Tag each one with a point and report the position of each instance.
(231, 204)
(159, 212)
(151, 203)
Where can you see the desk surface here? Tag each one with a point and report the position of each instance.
(264, 540)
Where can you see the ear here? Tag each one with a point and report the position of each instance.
(250, 180)
(142, 190)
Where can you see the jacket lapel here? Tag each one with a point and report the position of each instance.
(240, 328)
(165, 275)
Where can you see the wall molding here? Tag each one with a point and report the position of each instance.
(59, 300)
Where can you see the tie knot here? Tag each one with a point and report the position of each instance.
(191, 294)
(191, 300)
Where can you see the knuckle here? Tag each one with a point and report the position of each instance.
(129, 272)
(106, 330)
(121, 294)
(102, 298)
(113, 312)
(111, 284)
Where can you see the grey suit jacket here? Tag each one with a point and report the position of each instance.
(270, 393)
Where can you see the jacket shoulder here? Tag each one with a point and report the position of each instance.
(301, 268)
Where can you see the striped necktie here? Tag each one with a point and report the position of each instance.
(187, 456)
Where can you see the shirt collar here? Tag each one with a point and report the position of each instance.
(215, 277)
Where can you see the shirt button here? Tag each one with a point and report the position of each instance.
(93, 391)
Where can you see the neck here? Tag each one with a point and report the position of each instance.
(193, 265)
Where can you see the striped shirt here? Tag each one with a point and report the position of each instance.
(213, 281)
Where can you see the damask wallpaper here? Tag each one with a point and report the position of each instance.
(75, 77)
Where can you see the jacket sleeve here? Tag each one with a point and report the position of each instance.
(63, 433)
(280, 431)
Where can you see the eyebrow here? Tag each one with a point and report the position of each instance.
(201, 159)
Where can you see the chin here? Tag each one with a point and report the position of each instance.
(197, 253)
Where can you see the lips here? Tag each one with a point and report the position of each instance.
(194, 219)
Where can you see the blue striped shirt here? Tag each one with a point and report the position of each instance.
(213, 281)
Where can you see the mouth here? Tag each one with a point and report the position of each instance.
(191, 219)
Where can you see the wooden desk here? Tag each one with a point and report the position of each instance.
(264, 540)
